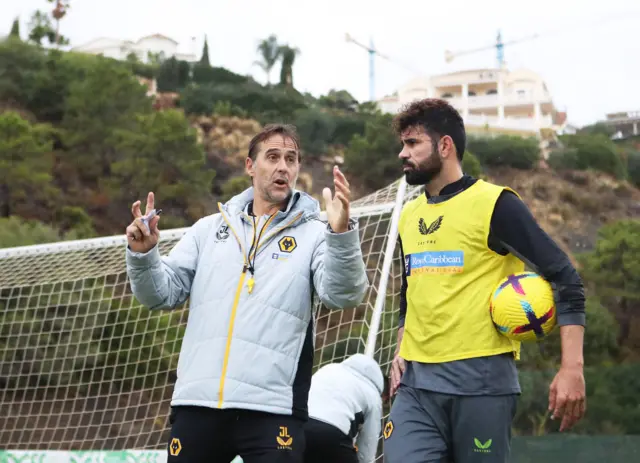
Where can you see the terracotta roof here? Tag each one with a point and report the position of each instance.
(560, 117)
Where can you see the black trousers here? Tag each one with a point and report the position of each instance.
(206, 435)
(327, 444)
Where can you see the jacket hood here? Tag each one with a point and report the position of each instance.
(299, 202)
(367, 367)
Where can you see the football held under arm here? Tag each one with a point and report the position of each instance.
(515, 230)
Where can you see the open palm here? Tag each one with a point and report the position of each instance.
(338, 206)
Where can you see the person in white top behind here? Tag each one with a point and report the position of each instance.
(345, 411)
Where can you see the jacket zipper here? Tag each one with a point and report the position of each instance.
(234, 307)
(256, 244)
(236, 299)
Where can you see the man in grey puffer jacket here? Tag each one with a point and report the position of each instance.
(251, 273)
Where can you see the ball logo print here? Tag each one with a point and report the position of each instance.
(522, 307)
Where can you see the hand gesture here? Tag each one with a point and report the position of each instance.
(338, 206)
(143, 238)
(397, 369)
(567, 397)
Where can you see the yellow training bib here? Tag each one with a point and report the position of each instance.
(451, 273)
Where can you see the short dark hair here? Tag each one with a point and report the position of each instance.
(286, 130)
(437, 117)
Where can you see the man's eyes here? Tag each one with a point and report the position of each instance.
(275, 158)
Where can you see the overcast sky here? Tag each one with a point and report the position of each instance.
(588, 51)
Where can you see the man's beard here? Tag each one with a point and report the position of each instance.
(425, 172)
(275, 197)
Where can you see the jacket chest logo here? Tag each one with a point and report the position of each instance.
(223, 232)
(426, 230)
(287, 244)
(432, 228)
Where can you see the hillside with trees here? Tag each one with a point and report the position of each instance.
(81, 139)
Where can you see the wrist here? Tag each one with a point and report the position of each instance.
(399, 341)
(342, 227)
(572, 341)
(572, 365)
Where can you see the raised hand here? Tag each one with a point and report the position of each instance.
(143, 238)
(338, 206)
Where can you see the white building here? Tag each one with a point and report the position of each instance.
(490, 100)
(157, 44)
(625, 124)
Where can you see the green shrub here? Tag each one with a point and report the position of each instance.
(207, 75)
(173, 75)
(234, 186)
(633, 167)
(40, 81)
(471, 165)
(373, 156)
(260, 103)
(588, 151)
(316, 129)
(226, 109)
(506, 150)
(17, 231)
(563, 159)
(346, 126)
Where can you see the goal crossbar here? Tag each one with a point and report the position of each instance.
(172, 234)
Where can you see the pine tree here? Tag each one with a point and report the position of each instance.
(205, 53)
(15, 29)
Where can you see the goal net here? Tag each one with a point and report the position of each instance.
(85, 367)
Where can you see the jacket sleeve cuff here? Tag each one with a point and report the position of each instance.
(344, 240)
(140, 261)
(565, 319)
(353, 224)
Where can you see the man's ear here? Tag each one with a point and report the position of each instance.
(447, 147)
(248, 167)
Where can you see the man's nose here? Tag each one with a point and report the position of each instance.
(403, 154)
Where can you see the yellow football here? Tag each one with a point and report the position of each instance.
(523, 308)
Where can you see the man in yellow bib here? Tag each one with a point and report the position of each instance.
(454, 374)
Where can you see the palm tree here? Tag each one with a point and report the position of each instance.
(269, 52)
(288, 55)
(58, 13)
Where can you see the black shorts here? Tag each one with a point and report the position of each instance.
(327, 444)
(207, 435)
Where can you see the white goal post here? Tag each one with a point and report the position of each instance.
(87, 372)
